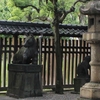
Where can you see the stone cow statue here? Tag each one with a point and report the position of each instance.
(28, 53)
(83, 67)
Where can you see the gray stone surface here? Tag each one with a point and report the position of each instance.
(47, 96)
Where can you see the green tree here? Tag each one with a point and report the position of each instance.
(4, 11)
(21, 11)
(10, 11)
(59, 16)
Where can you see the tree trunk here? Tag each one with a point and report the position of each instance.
(59, 81)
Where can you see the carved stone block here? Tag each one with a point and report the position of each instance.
(24, 80)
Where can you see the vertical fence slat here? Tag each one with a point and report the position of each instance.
(50, 44)
(53, 60)
(80, 50)
(72, 71)
(15, 43)
(1, 47)
(64, 61)
(84, 49)
(44, 63)
(10, 41)
(48, 65)
(69, 61)
(76, 56)
(5, 62)
(65, 65)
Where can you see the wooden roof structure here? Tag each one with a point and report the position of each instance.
(21, 28)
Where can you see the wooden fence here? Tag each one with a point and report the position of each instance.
(74, 50)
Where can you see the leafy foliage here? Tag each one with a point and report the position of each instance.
(46, 9)
(10, 10)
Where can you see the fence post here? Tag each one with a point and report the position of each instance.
(40, 49)
(15, 43)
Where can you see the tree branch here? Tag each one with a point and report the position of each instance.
(65, 13)
(22, 7)
(72, 9)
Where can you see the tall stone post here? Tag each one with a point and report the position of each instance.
(91, 90)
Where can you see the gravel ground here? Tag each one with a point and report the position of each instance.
(47, 96)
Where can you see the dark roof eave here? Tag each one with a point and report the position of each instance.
(22, 28)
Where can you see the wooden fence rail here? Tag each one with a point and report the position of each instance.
(73, 52)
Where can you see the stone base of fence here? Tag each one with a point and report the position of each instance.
(24, 80)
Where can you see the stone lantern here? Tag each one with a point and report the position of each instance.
(91, 90)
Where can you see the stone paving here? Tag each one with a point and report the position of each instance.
(47, 96)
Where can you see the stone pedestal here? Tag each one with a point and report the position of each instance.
(24, 80)
(90, 91)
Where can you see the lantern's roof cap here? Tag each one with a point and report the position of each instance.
(91, 8)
